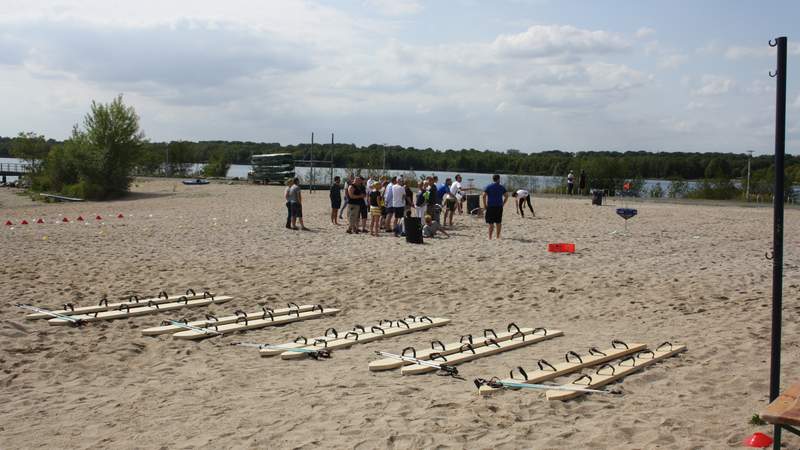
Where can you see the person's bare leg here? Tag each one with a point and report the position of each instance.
(491, 230)
(499, 227)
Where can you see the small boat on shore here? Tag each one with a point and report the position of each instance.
(195, 182)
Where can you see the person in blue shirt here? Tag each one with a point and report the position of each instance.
(494, 198)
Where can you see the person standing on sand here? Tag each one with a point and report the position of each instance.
(449, 200)
(336, 199)
(397, 207)
(570, 182)
(347, 185)
(356, 192)
(455, 191)
(523, 197)
(295, 199)
(289, 183)
(494, 198)
(375, 200)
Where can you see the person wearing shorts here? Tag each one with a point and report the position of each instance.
(375, 209)
(336, 199)
(356, 193)
(495, 196)
(449, 201)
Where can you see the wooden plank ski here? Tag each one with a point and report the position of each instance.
(608, 373)
(154, 308)
(73, 321)
(469, 353)
(573, 362)
(237, 315)
(375, 333)
(251, 324)
(301, 341)
(448, 349)
(68, 309)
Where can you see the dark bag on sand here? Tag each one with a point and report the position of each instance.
(473, 203)
(597, 197)
(413, 226)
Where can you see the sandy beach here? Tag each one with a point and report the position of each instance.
(689, 274)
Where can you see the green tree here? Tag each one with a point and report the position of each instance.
(218, 164)
(103, 153)
(32, 148)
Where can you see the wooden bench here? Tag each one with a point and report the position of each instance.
(784, 413)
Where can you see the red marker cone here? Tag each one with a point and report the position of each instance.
(758, 440)
(79, 219)
(8, 223)
(24, 222)
(97, 217)
(120, 216)
(65, 219)
(40, 220)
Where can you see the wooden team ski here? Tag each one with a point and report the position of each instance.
(68, 309)
(437, 347)
(125, 312)
(265, 312)
(375, 333)
(573, 362)
(245, 323)
(469, 353)
(608, 373)
(301, 341)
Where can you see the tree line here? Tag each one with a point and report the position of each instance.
(605, 169)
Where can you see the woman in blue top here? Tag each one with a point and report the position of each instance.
(494, 198)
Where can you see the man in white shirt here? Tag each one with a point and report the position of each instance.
(522, 197)
(455, 191)
(396, 203)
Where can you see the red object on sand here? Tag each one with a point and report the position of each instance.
(120, 216)
(97, 217)
(8, 223)
(758, 440)
(561, 248)
(40, 220)
(65, 219)
(24, 222)
(80, 218)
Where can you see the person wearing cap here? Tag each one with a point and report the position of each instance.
(495, 196)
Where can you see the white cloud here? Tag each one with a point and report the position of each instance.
(395, 7)
(761, 87)
(644, 32)
(712, 85)
(796, 103)
(541, 41)
(749, 52)
(672, 61)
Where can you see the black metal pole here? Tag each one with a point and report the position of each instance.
(777, 233)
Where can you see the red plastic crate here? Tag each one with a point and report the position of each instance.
(561, 248)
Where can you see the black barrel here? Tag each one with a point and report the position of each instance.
(413, 226)
(473, 203)
(597, 197)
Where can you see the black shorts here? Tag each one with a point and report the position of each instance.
(450, 204)
(398, 211)
(364, 210)
(494, 214)
(336, 204)
(297, 210)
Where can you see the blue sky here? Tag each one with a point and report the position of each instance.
(527, 74)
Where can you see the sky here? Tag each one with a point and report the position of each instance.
(531, 75)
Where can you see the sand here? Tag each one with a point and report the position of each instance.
(694, 274)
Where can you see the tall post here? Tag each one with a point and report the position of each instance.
(777, 242)
(331, 158)
(311, 179)
(747, 192)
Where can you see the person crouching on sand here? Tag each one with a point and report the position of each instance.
(431, 228)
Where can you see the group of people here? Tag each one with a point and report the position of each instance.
(376, 205)
(386, 201)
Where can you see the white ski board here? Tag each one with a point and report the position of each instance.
(375, 333)
(251, 324)
(237, 316)
(448, 349)
(68, 309)
(142, 310)
(469, 354)
(608, 373)
(301, 341)
(573, 362)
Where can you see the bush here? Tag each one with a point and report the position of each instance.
(96, 162)
(719, 189)
(218, 164)
(678, 188)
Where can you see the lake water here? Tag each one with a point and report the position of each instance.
(322, 176)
